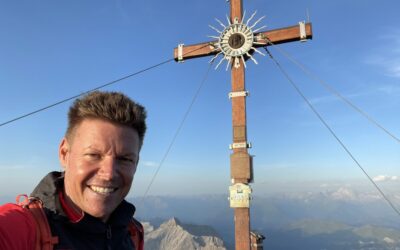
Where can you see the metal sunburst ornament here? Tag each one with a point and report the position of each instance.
(236, 41)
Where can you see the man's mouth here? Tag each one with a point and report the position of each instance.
(102, 190)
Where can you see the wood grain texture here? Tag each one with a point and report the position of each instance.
(242, 229)
(236, 10)
(284, 35)
(196, 50)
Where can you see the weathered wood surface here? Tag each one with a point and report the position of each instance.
(277, 36)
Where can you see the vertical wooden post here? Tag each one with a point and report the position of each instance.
(242, 215)
(236, 10)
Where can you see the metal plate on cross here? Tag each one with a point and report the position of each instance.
(239, 195)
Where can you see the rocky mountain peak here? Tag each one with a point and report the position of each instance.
(173, 222)
(174, 235)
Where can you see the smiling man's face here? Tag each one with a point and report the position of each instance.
(100, 160)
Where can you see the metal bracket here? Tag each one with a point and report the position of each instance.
(261, 38)
(180, 52)
(238, 93)
(239, 145)
(303, 33)
(213, 45)
(236, 62)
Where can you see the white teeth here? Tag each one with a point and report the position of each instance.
(102, 190)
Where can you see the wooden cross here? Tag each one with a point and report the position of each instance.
(233, 46)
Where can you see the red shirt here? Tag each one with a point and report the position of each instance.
(73, 215)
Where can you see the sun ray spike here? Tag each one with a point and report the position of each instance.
(229, 20)
(251, 17)
(243, 17)
(259, 52)
(252, 58)
(220, 61)
(228, 63)
(244, 61)
(214, 57)
(265, 26)
(212, 27)
(220, 23)
(261, 18)
(215, 37)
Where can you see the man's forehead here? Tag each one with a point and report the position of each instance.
(123, 150)
(101, 130)
(93, 122)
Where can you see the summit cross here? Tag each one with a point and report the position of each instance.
(236, 44)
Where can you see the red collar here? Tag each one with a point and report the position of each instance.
(73, 216)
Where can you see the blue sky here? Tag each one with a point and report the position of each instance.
(53, 50)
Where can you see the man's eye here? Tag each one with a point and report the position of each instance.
(93, 156)
(125, 159)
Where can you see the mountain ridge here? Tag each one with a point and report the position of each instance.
(175, 235)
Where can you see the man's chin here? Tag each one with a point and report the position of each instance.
(102, 214)
(99, 208)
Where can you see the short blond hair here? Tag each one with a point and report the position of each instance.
(110, 106)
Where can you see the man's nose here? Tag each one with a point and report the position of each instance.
(108, 168)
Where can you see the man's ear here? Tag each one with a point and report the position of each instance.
(63, 151)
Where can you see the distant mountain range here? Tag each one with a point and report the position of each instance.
(318, 234)
(341, 218)
(174, 235)
(301, 235)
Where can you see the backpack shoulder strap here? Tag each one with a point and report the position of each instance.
(136, 231)
(44, 239)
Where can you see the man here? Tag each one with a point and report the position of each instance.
(84, 204)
